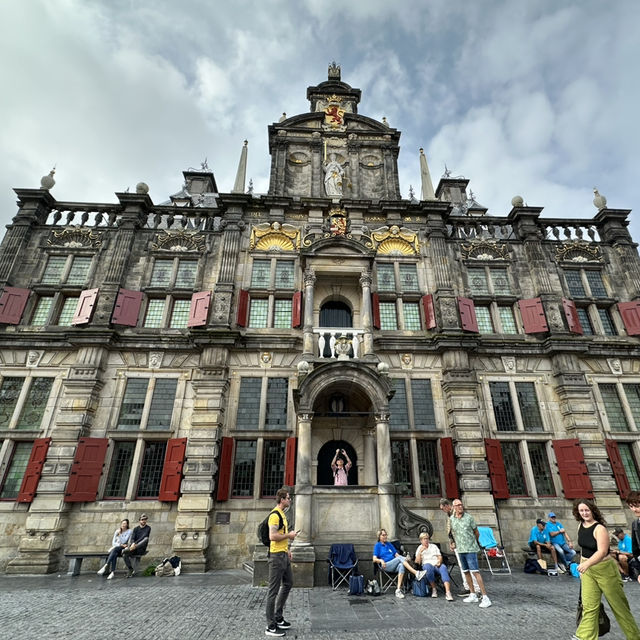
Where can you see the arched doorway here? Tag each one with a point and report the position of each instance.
(325, 456)
(335, 314)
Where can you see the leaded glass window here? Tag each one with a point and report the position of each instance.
(411, 312)
(155, 312)
(500, 282)
(248, 416)
(386, 278)
(477, 281)
(541, 468)
(162, 271)
(507, 320)
(186, 275)
(483, 317)
(282, 314)
(613, 407)
(398, 412)
(409, 277)
(133, 404)
(607, 323)
(428, 468)
(15, 472)
(180, 314)
(388, 316)
(502, 406)
(258, 313)
(68, 311)
(630, 465)
(120, 469)
(79, 270)
(284, 274)
(513, 467)
(596, 284)
(423, 413)
(632, 391)
(574, 283)
(9, 394)
(260, 274)
(529, 408)
(54, 269)
(244, 469)
(42, 310)
(401, 463)
(273, 467)
(276, 414)
(162, 403)
(35, 404)
(151, 469)
(585, 321)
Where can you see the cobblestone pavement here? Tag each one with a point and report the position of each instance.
(223, 604)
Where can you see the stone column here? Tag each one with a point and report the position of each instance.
(386, 489)
(308, 347)
(369, 458)
(367, 313)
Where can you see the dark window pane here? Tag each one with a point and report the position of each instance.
(9, 392)
(399, 415)
(613, 407)
(284, 275)
(585, 321)
(502, 407)
(594, 278)
(164, 397)
(607, 323)
(574, 283)
(15, 473)
(35, 404)
(401, 463)
(632, 391)
(529, 408)
(133, 403)
(276, 417)
(260, 274)
(335, 314)
(424, 416)
(630, 465)
(386, 278)
(428, 468)
(151, 470)
(120, 470)
(513, 467)
(541, 468)
(409, 277)
(248, 416)
(273, 467)
(244, 468)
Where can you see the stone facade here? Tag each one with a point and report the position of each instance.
(186, 359)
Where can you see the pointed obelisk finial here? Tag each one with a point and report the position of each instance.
(238, 187)
(427, 186)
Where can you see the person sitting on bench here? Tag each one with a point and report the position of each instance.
(137, 545)
(539, 539)
(118, 545)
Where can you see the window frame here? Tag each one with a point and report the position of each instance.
(27, 384)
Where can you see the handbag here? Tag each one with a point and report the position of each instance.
(604, 624)
(373, 588)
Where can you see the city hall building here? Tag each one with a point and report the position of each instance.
(187, 359)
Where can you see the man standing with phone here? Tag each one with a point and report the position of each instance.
(279, 560)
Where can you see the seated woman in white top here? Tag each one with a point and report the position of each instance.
(120, 540)
(428, 557)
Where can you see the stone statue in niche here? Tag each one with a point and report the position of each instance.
(333, 174)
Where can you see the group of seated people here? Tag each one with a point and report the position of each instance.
(551, 536)
(428, 559)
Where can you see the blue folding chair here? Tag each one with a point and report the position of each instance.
(343, 562)
(493, 552)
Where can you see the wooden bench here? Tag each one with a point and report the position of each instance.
(75, 560)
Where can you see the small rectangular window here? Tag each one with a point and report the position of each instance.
(483, 316)
(9, 394)
(574, 283)
(272, 467)
(79, 270)
(409, 277)
(388, 316)
(162, 272)
(258, 313)
(155, 312)
(282, 314)
(477, 281)
(284, 274)
(411, 311)
(248, 416)
(186, 276)
(423, 413)
(120, 470)
(244, 469)
(260, 274)
(428, 468)
(151, 469)
(398, 411)
(386, 277)
(513, 467)
(596, 284)
(632, 391)
(180, 314)
(54, 269)
(502, 406)
(507, 320)
(68, 311)
(500, 281)
(15, 472)
(630, 465)
(162, 403)
(541, 468)
(613, 407)
(276, 414)
(585, 322)
(35, 404)
(529, 408)
(42, 310)
(133, 404)
(607, 323)
(401, 463)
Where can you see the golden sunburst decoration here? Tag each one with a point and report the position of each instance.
(395, 246)
(396, 240)
(274, 237)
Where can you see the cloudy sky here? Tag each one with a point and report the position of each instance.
(521, 97)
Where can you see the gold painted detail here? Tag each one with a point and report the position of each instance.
(395, 240)
(75, 238)
(337, 224)
(179, 241)
(578, 251)
(274, 237)
(484, 250)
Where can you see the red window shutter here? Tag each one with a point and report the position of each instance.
(172, 470)
(290, 462)
(449, 466)
(86, 470)
(571, 314)
(375, 309)
(468, 315)
(572, 469)
(630, 314)
(613, 453)
(199, 309)
(34, 470)
(243, 307)
(12, 304)
(224, 475)
(429, 312)
(86, 304)
(127, 308)
(296, 312)
(497, 471)
(533, 318)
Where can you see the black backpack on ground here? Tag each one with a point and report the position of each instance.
(263, 528)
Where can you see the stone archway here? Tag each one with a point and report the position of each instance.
(325, 456)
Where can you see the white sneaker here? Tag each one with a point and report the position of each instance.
(472, 597)
(420, 575)
(434, 593)
(102, 570)
(485, 602)
(111, 576)
(561, 569)
(399, 593)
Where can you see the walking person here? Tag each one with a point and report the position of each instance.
(119, 543)
(599, 574)
(279, 561)
(137, 546)
(465, 540)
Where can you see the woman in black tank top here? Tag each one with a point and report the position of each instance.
(599, 574)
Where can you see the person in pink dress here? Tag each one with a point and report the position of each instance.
(340, 469)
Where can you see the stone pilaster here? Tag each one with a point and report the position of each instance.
(386, 488)
(367, 313)
(308, 346)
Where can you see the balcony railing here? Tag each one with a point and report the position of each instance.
(338, 343)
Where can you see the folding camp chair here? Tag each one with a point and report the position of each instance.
(493, 552)
(343, 562)
(388, 579)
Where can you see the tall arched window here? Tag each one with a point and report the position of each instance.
(335, 314)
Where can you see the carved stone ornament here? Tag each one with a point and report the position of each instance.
(411, 524)
(155, 359)
(578, 251)
(274, 237)
(33, 357)
(75, 238)
(484, 250)
(265, 359)
(337, 224)
(394, 240)
(179, 242)
(615, 365)
(509, 364)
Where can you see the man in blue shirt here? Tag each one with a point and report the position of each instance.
(560, 540)
(623, 553)
(539, 540)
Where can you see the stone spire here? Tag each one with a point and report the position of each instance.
(427, 186)
(238, 187)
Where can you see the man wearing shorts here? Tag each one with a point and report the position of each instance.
(465, 534)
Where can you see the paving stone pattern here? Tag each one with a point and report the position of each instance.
(223, 604)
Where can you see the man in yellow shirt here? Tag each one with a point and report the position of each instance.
(280, 574)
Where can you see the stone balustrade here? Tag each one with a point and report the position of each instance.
(338, 343)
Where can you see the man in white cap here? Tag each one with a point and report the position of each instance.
(560, 540)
